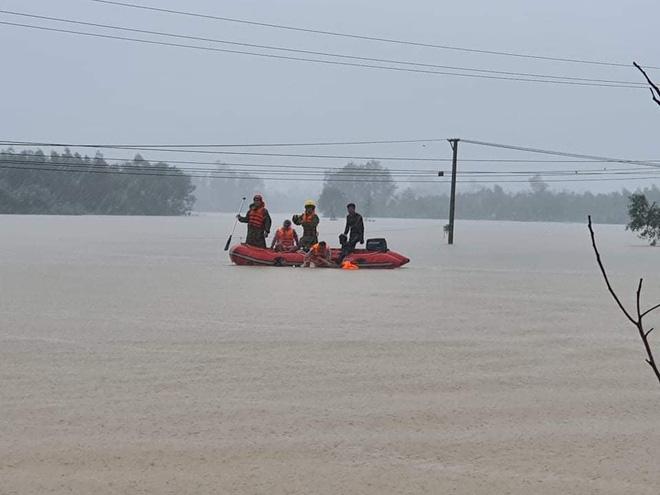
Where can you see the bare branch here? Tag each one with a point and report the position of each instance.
(657, 306)
(650, 360)
(655, 91)
(607, 280)
(638, 299)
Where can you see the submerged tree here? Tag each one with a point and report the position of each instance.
(222, 188)
(370, 185)
(332, 201)
(69, 183)
(644, 218)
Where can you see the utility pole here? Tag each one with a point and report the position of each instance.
(452, 198)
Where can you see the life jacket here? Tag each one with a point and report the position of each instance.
(309, 230)
(305, 218)
(256, 217)
(317, 250)
(347, 265)
(286, 237)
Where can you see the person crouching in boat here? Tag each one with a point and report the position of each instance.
(318, 256)
(309, 221)
(259, 222)
(286, 238)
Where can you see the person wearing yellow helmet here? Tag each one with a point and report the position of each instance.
(309, 222)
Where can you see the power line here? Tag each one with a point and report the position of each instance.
(154, 147)
(301, 171)
(232, 145)
(312, 52)
(235, 167)
(320, 61)
(565, 172)
(255, 145)
(75, 168)
(369, 38)
(559, 153)
(180, 174)
(321, 168)
(605, 179)
(588, 158)
(233, 174)
(147, 147)
(198, 151)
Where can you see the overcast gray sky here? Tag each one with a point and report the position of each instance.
(60, 87)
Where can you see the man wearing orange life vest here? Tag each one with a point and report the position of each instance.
(259, 222)
(319, 256)
(309, 221)
(286, 238)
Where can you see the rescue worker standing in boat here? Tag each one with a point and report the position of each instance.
(354, 230)
(286, 238)
(259, 222)
(309, 222)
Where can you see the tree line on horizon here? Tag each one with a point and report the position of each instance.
(538, 203)
(71, 184)
(67, 183)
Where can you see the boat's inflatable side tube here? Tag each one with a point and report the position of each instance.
(244, 254)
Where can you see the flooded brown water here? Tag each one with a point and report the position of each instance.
(135, 358)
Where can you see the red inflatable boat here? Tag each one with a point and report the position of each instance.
(243, 254)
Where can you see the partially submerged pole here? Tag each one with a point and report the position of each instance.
(452, 198)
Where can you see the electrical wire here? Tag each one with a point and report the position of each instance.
(319, 61)
(74, 168)
(212, 152)
(252, 145)
(560, 153)
(542, 175)
(300, 171)
(369, 38)
(312, 52)
(236, 164)
(589, 158)
(152, 147)
(223, 163)
(233, 167)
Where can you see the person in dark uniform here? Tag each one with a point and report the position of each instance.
(353, 232)
(259, 222)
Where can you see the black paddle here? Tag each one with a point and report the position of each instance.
(235, 223)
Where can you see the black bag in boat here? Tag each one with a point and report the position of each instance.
(379, 244)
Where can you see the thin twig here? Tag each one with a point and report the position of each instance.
(657, 306)
(650, 360)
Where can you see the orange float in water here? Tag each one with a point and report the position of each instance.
(347, 265)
